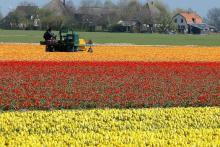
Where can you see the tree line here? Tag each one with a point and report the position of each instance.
(93, 13)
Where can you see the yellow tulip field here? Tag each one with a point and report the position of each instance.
(134, 127)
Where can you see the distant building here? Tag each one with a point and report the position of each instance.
(23, 17)
(185, 21)
(137, 26)
(191, 23)
(131, 25)
(36, 22)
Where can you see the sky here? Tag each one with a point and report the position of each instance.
(200, 6)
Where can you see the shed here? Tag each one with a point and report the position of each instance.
(131, 25)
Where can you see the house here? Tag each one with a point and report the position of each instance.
(130, 25)
(190, 22)
(23, 17)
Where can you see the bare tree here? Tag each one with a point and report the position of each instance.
(71, 10)
(98, 3)
(91, 3)
(1, 16)
(85, 3)
(86, 6)
(70, 7)
(213, 17)
(109, 4)
(134, 10)
(122, 5)
(144, 15)
(128, 9)
(49, 19)
(164, 19)
(109, 13)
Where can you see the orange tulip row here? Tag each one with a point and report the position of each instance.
(31, 52)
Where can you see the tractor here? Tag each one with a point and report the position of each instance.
(69, 41)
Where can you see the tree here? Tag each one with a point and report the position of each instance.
(91, 3)
(123, 9)
(110, 13)
(84, 3)
(69, 19)
(1, 16)
(213, 17)
(92, 14)
(98, 3)
(134, 10)
(85, 6)
(131, 9)
(71, 8)
(144, 15)
(109, 4)
(49, 19)
(28, 9)
(89, 6)
(164, 19)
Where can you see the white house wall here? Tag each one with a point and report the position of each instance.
(180, 23)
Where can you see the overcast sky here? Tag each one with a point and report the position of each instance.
(201, 6)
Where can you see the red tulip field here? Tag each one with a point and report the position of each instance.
(46, 85)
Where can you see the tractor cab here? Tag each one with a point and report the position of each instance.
(69, 41)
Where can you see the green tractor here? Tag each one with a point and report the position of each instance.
(69, 42)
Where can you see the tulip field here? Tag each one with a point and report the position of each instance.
(116, 96)
(131, 127)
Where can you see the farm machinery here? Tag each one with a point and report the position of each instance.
(69, 41)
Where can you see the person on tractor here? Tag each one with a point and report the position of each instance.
(50, 40)
(49, 36)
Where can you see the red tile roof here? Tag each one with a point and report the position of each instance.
(192, 17)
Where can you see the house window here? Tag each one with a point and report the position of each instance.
(181, 20)
(175, 20)
(194, 20)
